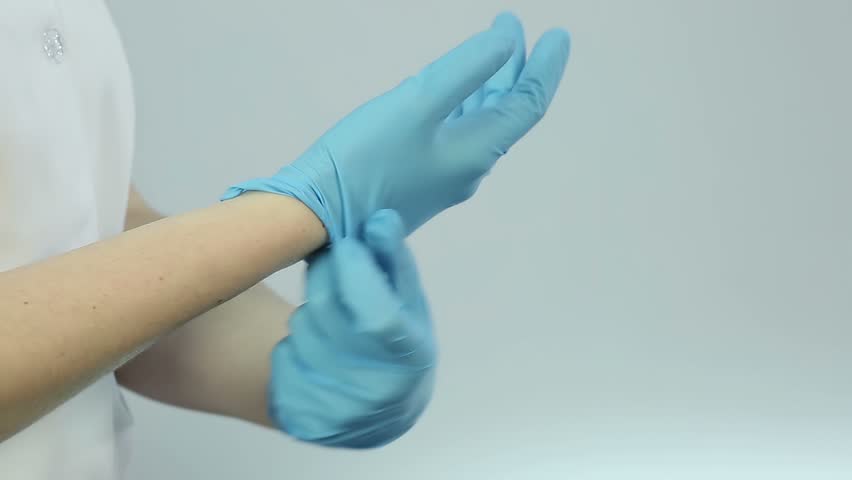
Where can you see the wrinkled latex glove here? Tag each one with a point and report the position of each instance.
(426, 145)
(357, 369)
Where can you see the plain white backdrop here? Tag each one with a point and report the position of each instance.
(656, 283)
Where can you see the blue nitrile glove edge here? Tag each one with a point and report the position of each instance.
(304, 192)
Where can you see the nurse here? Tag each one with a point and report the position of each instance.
(97, 289)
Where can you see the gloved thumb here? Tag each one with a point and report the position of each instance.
(384, 234)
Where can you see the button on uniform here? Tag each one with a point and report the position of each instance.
(52, 45)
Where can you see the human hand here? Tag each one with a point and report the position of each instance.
(427, 144)
(357, 369)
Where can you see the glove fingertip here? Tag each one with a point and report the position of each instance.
(506, 19)
(562, 36)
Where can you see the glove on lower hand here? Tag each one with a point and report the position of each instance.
(357, 369)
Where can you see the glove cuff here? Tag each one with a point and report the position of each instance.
(292, 182)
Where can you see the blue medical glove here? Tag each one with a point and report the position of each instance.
(426, 145)
(357, 369)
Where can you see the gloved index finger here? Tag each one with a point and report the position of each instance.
(504, 80)
(458, 74)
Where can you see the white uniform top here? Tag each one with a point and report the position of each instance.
(66, 142)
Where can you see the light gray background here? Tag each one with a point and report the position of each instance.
(655, 284)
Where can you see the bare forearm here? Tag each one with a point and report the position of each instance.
(218, 362)
(70, 319)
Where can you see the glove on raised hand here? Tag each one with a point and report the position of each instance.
(357, 369)
(426, 145)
